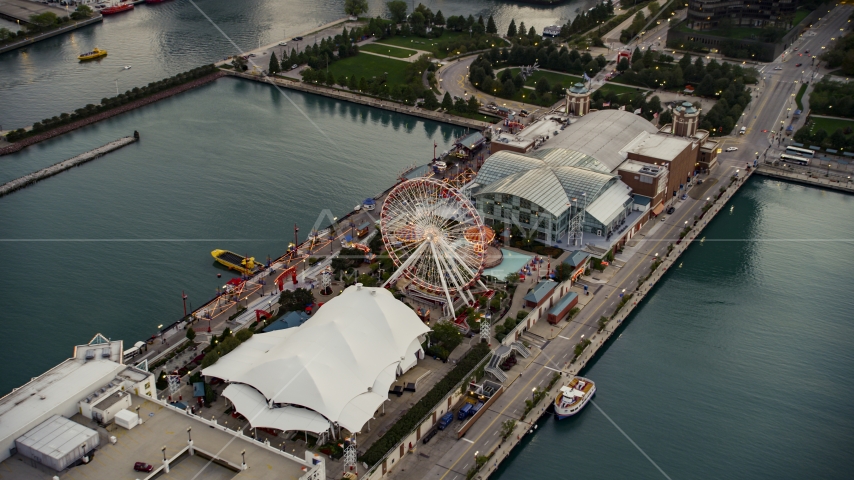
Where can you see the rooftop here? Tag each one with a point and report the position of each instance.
(604, 135)
(635, 166)
(550, 178)
(576, 258)
(540, 291)
(54, 387)
(661, 147)
(110, 400)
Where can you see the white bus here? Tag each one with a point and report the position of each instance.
(794, 159)
(803, 152)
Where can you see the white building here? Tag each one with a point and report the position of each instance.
(333, 370)
(91, 373)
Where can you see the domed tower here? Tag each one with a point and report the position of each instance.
(685, 120)
(578, 100)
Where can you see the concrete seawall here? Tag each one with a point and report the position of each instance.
(599, 339)
(64, 165)
(364, 100)
(44, 36)
(842, 186)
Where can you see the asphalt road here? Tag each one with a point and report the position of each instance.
(766, 111)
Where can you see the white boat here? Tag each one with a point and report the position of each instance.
(573, 396)
(127, 67)
(441, 165)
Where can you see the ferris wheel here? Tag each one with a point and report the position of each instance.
(435, 237)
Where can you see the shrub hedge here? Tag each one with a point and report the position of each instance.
(418, 411)
(111, 102)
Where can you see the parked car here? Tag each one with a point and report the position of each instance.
(670, 210)
(142, 467)
(778, 68)
(731, 149)
(283, 44)
(430, 434)
(798, 64)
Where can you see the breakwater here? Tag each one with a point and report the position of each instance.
(601, 338)
(26, 142)
(363, 100)
(843, 184)
(64, 165)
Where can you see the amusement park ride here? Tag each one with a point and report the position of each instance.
(436, 238)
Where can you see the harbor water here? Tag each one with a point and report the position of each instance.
(109, 246)
(736, 366)
(158, 41)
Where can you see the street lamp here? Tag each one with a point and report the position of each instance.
(189, 434)
(164, 452)
(533, 393)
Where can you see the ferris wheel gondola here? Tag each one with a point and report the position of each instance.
(435, 237)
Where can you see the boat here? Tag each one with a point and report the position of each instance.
(122, 7)
(241, 263)
(573, 396)
(127, 67)
(96, 53)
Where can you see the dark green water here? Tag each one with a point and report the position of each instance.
(739, 365)
(109, 246)
(45, 79)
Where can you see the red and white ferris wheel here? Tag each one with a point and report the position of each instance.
(435, 237)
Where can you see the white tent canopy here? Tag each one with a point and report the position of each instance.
(339, 364)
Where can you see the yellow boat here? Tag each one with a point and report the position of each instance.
(233, 261)
(97, 53)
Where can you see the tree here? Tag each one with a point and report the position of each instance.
(522, 28)
(508, 89)
(397, 10)
(296, 300)
(44, 20)
(210, 358)
(330, 79)
(446, 334)
(191, 334)
(490, 25)
(508, 426)
(473, 105)
(244, 335)
(532, 32)
(511, 30)
(623, 65)
(81, 12)
(274, 64)
(563, 271)
(447, 102)
(430, 103)
(351, 83)
(543, 86)
(354, 8)
(439, 19)
(512, 278)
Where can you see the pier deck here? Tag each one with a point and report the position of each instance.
(64, 165)
(21, 10)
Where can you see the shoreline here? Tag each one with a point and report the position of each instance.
(603, 337)
(44, 36)
(363, 100)
(26, 142)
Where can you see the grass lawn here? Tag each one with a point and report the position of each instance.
(429, 44)
(800, 96)
(388, 50)
(830, 125)
(619, 89)
(552, 77)
(800, 14)
(369, 66)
